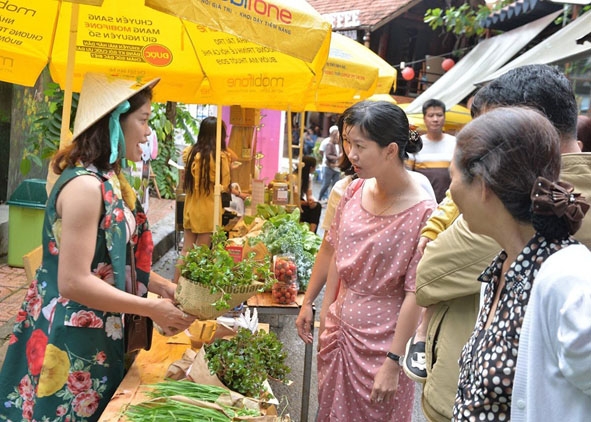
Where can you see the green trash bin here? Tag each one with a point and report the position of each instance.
(26, 209)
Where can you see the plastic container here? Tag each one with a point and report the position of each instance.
(285, 290)
(26, 209)
(280, 193)
(284, 293)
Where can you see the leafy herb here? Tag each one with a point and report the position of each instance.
(216, 268)
(244, 362)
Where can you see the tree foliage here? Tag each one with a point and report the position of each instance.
(465, 20)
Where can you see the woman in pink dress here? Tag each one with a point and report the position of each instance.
(369, 310)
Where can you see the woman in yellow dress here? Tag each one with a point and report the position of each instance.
(199, 184)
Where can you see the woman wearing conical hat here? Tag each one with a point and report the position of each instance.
(66, 353)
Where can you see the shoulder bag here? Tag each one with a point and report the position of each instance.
(137, 328)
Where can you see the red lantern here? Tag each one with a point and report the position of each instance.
(408, 73)
(447, 64)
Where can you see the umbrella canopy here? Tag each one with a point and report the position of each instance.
(290, 26)
(128, 39)
(352, 72)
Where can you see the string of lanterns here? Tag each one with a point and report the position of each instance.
(408, 73)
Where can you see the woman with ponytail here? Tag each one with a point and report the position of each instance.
(369, 309)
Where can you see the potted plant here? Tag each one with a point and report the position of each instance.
(212, 283)
(246, 361)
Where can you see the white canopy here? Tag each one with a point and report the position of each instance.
(484, 59)
(561, 46)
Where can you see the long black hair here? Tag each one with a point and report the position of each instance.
(205, 146)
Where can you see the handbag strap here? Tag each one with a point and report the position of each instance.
(131, 252)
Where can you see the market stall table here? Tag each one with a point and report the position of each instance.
(264, 304)
(149, 367)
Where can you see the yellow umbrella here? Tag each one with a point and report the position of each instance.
(290, 26)
(333, 94)
(183, 54)
(455, 118)
(29, 27)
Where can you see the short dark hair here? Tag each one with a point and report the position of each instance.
(538, 86)
(433, 102)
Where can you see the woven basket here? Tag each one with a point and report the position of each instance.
(195, 298)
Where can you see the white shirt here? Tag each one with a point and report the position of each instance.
(322, 147)
(435, 151)
(553, 373)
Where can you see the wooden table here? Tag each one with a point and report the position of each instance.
(149, 367)
(265, 306)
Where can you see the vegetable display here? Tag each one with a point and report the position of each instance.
(282, 233)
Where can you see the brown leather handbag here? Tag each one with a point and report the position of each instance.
(137, 329)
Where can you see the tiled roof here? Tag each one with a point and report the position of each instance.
(519, 13)
(372, 13)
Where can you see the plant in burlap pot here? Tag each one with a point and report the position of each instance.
(244, 362)
(212, 283)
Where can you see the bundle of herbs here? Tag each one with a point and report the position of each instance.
(282, 233)
(244, 362)
(215, 269)
(186, 401)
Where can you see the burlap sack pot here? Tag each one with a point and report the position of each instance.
(195, 298)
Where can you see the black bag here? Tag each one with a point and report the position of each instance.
(137, 329)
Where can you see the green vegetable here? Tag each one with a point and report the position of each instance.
(186, 388)
(216, 268)
(167, 404)
(244, 362)
(173, 410)
(283, 233)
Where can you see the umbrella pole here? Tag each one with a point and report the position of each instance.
(299, 181)
(218, 152)
(290, 155)
(66, 112)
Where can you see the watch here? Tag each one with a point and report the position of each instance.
(394, 357)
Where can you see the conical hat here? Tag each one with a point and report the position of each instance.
(101, 94)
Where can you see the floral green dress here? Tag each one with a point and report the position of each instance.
(66, 360)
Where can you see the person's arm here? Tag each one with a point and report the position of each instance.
(452, 263)
(330, 292)
(317, 280)
(445, 214)
(80, 205)
(386, 381)
(161, 286)
(225, 175)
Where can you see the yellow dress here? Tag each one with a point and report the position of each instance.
(198, 209)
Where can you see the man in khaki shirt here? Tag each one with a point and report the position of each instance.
(447, 274)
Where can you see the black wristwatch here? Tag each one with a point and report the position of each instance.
(394, 357)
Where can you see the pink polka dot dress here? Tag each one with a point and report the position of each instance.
(376, 259)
